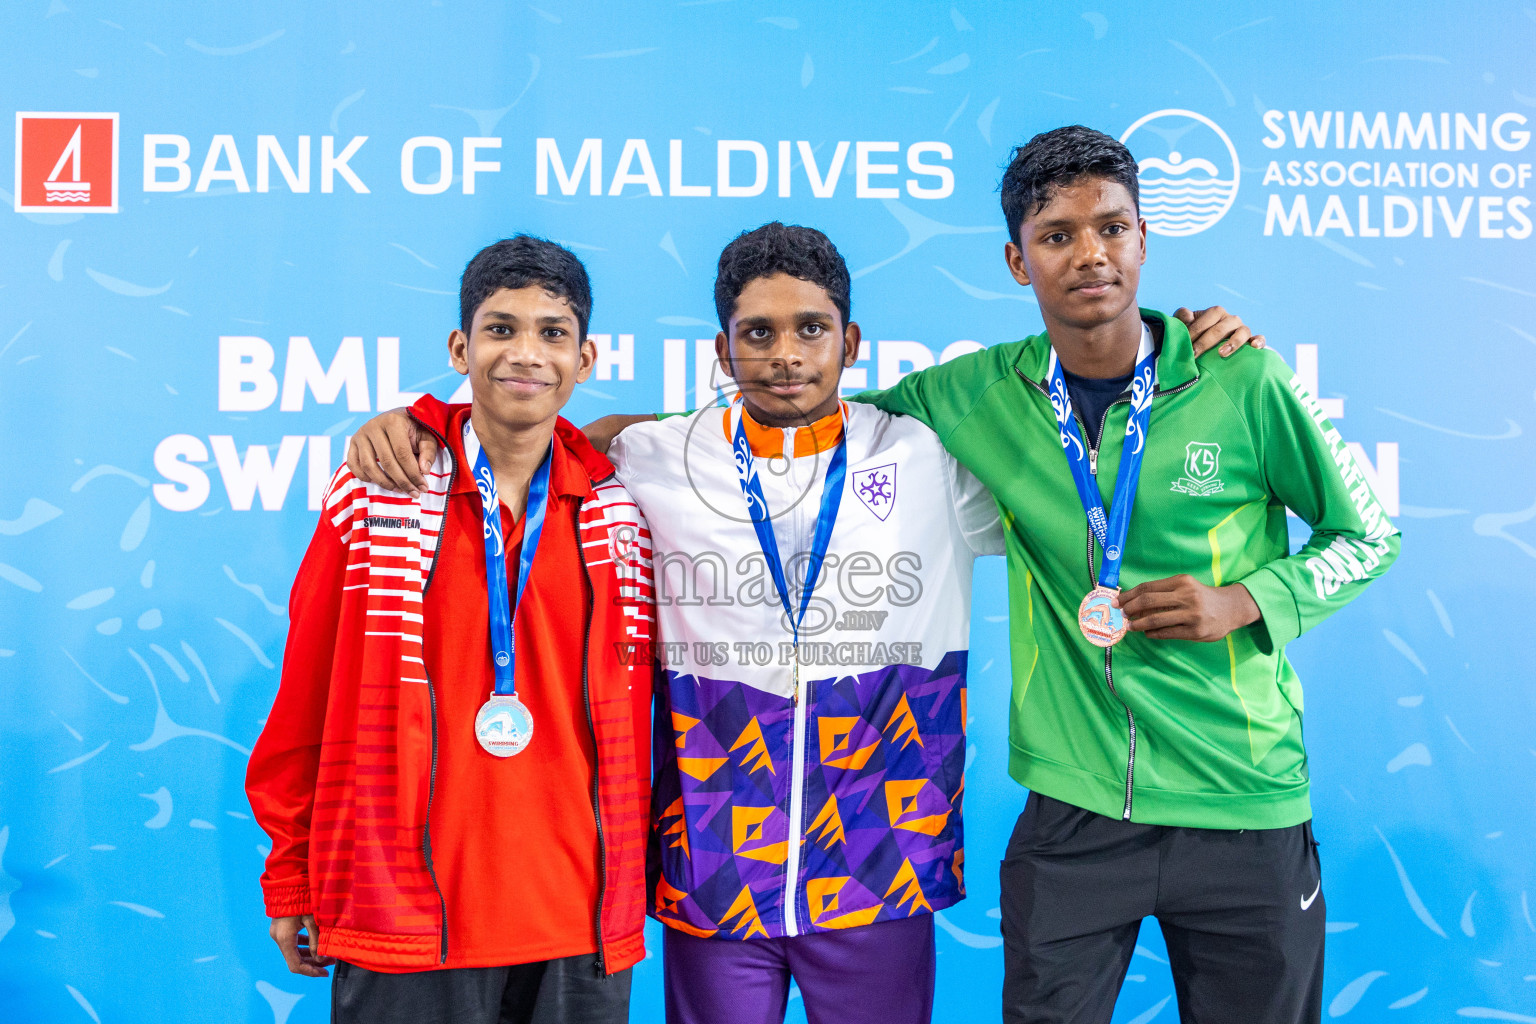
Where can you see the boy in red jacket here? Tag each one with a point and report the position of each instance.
(455, 773)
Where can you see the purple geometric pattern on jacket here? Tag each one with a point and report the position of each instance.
(883, 784)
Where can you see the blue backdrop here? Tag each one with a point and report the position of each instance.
(163, 449)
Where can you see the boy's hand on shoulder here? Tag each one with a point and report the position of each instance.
(392, 451)
(1182, 608)
(298, 937)
(1215, 326)
(604, 429)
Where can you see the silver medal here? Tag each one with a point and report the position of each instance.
(503, 727)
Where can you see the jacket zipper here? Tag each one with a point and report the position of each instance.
(426, 828)
(796, 806)
(1109, 652)
(797, 744)
(1093, 578)
(1130, 717)
(586, 699)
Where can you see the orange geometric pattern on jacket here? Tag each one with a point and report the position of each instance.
(835, 733)
(906, 882)
(668, 898)
(901, 801)
(827, 828)
(904, 723)
(756, 756)
(747, 828)
(678, 828)
(821, 894)
(744, 911)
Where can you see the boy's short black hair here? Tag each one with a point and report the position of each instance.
(777, 248)
(1060, 157)
(518, 262)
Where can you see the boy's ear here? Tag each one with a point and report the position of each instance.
(723, 354)
(586, 360)
(1014, 257)
(458, 351)
(1142, 224)
(851, 338)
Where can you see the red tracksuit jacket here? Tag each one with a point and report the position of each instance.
(342, 776)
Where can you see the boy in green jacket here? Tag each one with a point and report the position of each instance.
(1155, 718)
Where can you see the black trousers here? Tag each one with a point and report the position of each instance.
(565, 991)
(1242, 913)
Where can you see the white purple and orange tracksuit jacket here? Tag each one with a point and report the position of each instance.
(800, 789)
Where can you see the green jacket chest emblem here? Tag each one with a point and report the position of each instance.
(1202, 469)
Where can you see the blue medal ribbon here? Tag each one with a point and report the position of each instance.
(1109, 529)
(757, 508)
(503, 613)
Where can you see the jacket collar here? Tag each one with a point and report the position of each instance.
(1175, 363)
(574, 467)
(768, 442)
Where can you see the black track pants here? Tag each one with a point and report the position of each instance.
(565, 991)
(1242, 913)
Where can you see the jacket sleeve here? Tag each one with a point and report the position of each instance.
(910, 396)
(280, 778)
(639, 568)
(637, 563)
(1308, 466)
(940, 396)
(976, 510)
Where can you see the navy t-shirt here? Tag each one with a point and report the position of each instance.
(1092, 396)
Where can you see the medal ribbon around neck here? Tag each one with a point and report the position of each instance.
(757, 508)
(1110, 530)
(504, 727)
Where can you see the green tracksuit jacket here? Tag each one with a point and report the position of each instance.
(1168, 732)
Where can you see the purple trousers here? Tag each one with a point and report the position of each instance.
(875, 974)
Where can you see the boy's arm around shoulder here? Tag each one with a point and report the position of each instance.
(942, 396)
(647, 444)
(1307, 465)
(280, 777)
(602, 431)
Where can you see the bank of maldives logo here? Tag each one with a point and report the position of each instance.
(66, 162)
(1188, 170)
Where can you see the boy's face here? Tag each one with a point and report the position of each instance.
(786, 347)
(1082, 253)
(524, 354)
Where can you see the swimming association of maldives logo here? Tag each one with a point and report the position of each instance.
(1188, 170)
(66, 162)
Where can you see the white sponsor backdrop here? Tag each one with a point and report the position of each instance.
(256, 243)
